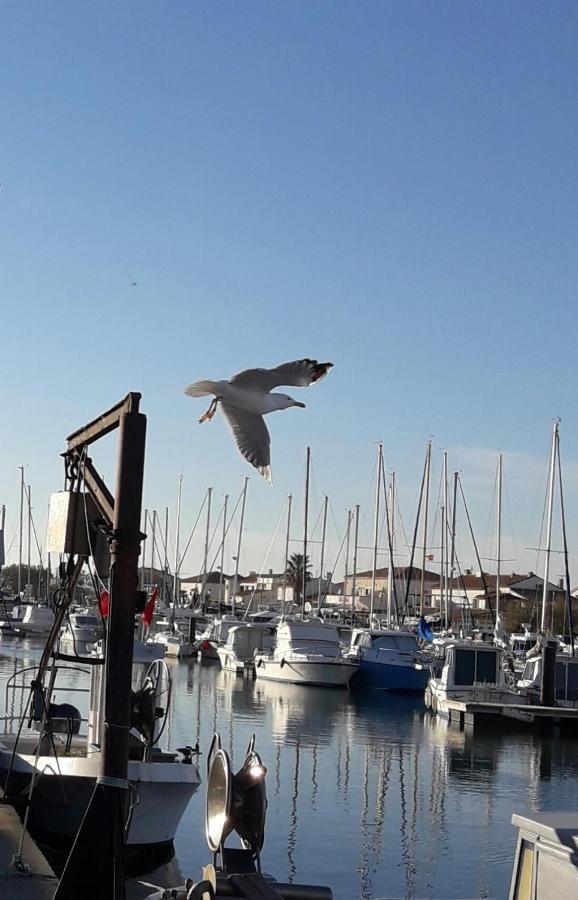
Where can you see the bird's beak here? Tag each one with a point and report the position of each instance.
(300, 405)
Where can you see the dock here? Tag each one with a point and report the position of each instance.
(26, 876)
(477, 715)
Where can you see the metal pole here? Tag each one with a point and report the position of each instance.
(423, 558)
(549, 524)
(322, 560)
(21, 527)
(305, 522)
(499, 539)
(375, 532)
(289, 502)
(238, 556)
(223, 537)
(177, 538)
(445, 535)
(99, 844)
(354, 579)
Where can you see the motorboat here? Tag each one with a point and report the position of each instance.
(175, 643)
(29, 619)
(81, 633)
(469, 672)
(45, 744)
(214, 636)
(566, 680)
(388, 661)
(237, 654)
(306, 652)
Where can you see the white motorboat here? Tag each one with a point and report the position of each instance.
(175, 643)
(237, 654)
(30, 619)
(214, 636)
(566, 689)
(306, 652)
(81, 633)
(469, 672)
(66, 763)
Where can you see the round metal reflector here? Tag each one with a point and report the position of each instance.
(218, 809)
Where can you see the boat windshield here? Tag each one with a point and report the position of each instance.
(405, 643)
(86, 621)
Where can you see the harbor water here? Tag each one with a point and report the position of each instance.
(367, 793)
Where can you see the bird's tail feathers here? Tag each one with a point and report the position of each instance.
(201, 389)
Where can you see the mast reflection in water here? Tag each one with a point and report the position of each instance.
(367, 793)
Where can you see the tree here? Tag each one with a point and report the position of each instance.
(295, 575)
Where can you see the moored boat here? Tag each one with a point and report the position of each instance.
(306, 652)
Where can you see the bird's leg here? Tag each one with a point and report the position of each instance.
(211, 411)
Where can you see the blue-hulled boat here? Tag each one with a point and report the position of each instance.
(388, 661)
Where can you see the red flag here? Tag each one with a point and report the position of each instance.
(103, 602)
(149, 609)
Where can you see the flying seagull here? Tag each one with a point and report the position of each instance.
(247, 397)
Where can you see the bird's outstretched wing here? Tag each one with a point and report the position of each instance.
(300, 373)
(252, 437)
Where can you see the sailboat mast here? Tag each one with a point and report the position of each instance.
(453, 541)
(21, 527)
(322, 559)
(177, 538)
(304, 572)
(391, 573)
(445, 515)
(29, 578)
(499, 539)
(223, 536)
(424, 551)
(153, 536)
(238, 556)
(354, 579)
(166, 554)
(375, 531)
(289, 504)
(206, 553)
(144, 547)
(347, 539)
(555, 431)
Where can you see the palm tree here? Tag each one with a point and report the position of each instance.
(295, 575)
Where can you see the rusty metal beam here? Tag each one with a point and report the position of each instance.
(103, 424)
(98, 491)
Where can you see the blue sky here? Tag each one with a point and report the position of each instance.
(391, 186)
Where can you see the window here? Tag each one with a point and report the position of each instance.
(486, 667)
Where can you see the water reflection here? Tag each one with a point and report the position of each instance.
(368, 793)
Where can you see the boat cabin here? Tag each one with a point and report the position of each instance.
(566, 678)
(469, 666)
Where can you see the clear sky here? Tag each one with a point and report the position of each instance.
(388, 185)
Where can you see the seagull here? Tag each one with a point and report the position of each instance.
(247, 397)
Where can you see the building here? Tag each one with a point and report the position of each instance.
(407, 583)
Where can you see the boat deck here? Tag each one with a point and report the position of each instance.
(475, 715)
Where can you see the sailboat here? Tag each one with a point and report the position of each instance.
(389, 659)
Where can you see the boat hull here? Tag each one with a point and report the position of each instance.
(163, 789)
(325, 674)
(388, 677)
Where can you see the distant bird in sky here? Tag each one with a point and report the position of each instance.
(247, 397)
(133, 283)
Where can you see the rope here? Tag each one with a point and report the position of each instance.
(264, 563)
